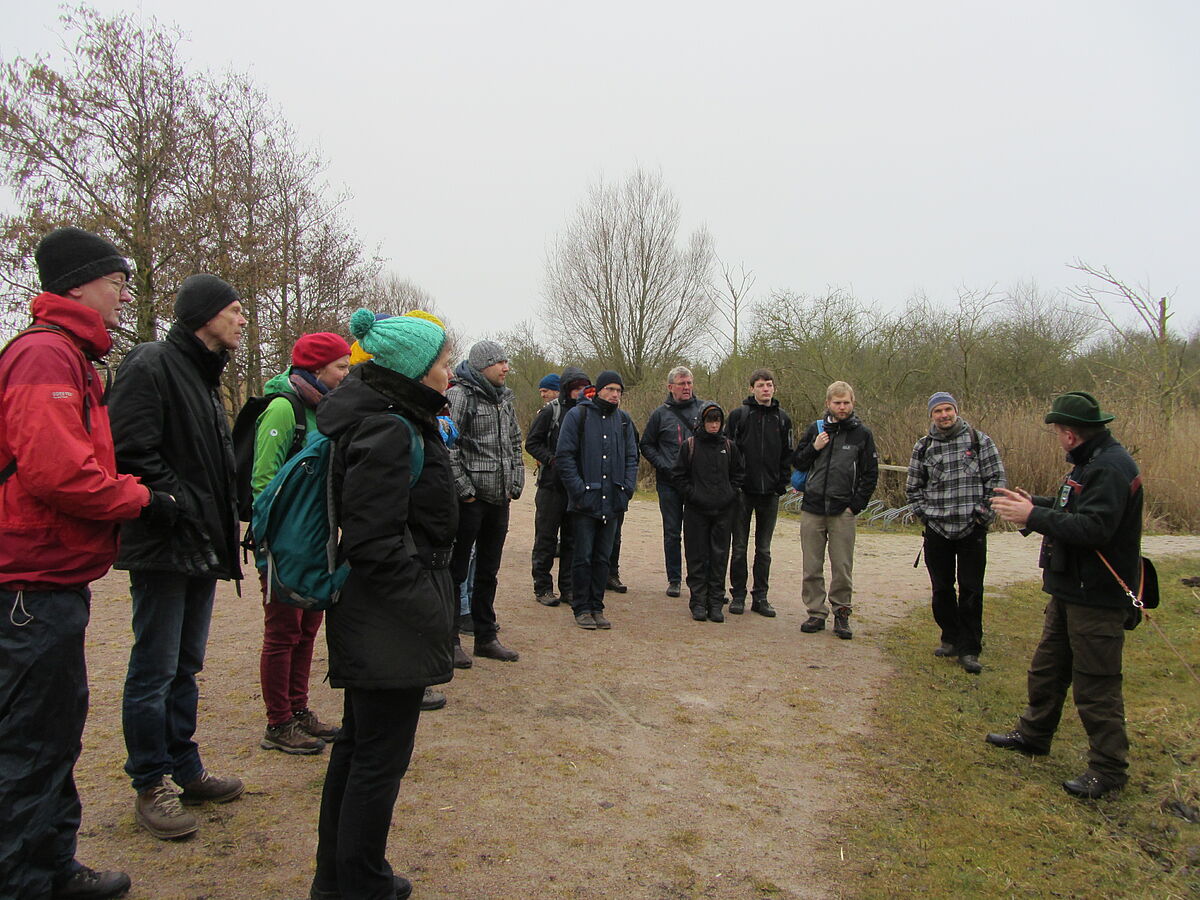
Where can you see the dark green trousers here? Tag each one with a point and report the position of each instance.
(1081, 648)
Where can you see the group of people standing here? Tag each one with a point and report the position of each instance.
(427, 461)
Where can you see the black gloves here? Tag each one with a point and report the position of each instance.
(162, 510)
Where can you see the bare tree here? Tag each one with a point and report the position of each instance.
(619, 289)
(730, 297)
(1156, 359)
(98, 144)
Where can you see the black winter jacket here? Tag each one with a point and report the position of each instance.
(708, 471)
(764, 436)
(542, 440)
(170, 429)
(1098, 508)
(598, 459)
(666, 430)
(843, 474)
(392, 627)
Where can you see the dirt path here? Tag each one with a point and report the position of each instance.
(663, 759)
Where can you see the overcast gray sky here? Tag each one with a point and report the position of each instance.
(881, 147)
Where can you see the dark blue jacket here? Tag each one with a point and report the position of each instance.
(597, 460)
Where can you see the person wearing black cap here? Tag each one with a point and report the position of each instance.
(597, 459)
(1093, 522)
(551, 523)
(61, 501)
(171, 430)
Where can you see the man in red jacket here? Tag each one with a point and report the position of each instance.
(61, 501)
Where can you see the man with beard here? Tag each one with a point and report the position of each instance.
(489, 474)
(843, 468)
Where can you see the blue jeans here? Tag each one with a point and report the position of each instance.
(171, 615)
(43, 705)
(589, 569)
(670, 505)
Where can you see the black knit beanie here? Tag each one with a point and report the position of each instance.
(200, 298)
(607, 377)
(69, 257)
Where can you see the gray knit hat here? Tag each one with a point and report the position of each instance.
(486, 353)
(942, 397)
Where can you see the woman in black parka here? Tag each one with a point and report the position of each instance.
(390, 633)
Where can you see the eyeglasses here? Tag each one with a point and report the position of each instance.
(120, 284)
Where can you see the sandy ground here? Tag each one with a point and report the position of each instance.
(663, 759)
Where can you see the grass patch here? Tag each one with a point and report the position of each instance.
(945, 815)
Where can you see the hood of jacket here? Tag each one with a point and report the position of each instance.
(279, 384)
(702, 433)
(833, 425)
(211, 363)
(469, 377)
(372, 389)
(569, 374)
(82, 322)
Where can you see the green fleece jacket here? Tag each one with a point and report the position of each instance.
(274, 433)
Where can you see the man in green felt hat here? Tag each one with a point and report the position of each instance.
(1095, 517)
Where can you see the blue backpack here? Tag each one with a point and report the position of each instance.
(295, 526)
(799, 479)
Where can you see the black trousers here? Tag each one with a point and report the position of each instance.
(593, 546)
(483, 526)
(706, 546)
(552, 533)
(43, 706)
(764, 508)
(366, 765)
(1081, 648)
(959, 614)
(614, 559)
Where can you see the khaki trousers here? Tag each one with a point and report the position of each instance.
(818, 532)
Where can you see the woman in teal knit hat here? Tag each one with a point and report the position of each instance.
(390, 633)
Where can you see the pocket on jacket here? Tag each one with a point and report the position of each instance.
(591, 501)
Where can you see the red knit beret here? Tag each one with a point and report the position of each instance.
(314, 351)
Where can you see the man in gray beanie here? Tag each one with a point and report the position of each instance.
(953, 472)
(489, 473)
(170, 429)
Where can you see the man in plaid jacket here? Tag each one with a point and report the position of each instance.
(489, 473)
(951, 477)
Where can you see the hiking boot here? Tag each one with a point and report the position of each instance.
(565, 598)
(841, 626)
(290, 737)
(673, 589)
(1014, 740)
(546, 598)
(307, 719)
(432, 700)
(157, 810)
(461, 660)
(970, 663)
(1089, 787)
(601, 622)
(699, 613)
(945, 649)
(402, 886)
(209, 788)
(737, 606)
(813, 624)
(614, 584)
(714, 612)
(586, 620)
(763, 607)
(93, 885)
(493, 649)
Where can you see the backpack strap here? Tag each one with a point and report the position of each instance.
(300, 432)
(45, 328)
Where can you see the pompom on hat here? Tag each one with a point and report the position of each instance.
(1077, 408)
(409, 345)
(314, 351)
